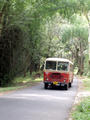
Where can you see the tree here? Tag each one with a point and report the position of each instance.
(21, 31)
(75, 38)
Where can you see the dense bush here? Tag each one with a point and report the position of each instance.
(82, 111)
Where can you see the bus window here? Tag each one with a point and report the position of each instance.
(51, 65)
(63, 66)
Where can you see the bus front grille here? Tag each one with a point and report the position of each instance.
(55, 76)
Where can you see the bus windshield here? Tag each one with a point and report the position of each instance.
(63, 66)
(51, 65)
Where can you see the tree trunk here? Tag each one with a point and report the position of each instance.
(88, 19)
(81, 67)
(5, 46)
(89, 42)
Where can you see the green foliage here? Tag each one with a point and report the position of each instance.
(86, 66)
(75, 39)
(28, 78)
(82, 111)
(21, 82)
(86, 83)
(37, 29)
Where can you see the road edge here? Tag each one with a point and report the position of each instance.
(75, 100)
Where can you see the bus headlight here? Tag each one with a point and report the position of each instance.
(65, 79)
(46, 78)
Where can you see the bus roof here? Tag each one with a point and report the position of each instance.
(59, 59)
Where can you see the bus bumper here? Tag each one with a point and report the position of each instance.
(55, 83)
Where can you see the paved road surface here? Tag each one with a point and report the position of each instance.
(36, 103)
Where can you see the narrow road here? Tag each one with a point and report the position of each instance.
(36, 103)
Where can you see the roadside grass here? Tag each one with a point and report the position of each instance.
(86, 83)
(22, 82)
(5, 89)
(82, 111)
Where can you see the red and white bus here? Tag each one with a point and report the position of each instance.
(58, 72)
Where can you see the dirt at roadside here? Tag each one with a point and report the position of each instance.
(80, 94)
(21, 85)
